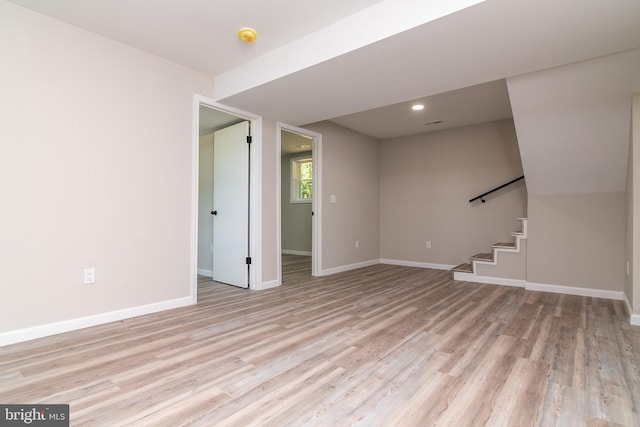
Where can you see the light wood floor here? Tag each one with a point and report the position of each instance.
(379, 346)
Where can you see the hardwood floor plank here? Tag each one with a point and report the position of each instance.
(377, 346)
(523, 391)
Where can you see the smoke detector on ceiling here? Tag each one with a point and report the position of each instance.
(247, 35)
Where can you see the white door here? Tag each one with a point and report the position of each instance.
(231, 205)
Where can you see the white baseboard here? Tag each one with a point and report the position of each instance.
(634, 319)
(343, 268)
(570, 290)
(542, 287)
(416, 264)
(470, 277)
(26, 334)
(267, 285)
(292, 252)
(203, 272)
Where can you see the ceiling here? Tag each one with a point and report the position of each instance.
(200, 34)
(294, 143)
(360, 63)
(475, 104)
(211, 120)
(488, 41)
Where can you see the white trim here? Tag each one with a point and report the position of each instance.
(542, 287)
(634, 319)
(316, 238)
(349, 267)
(255, 196)
(203, 272)
(570, 290)
(195, 175)
(279, 201)
(628, 304)
(316, 207)
(470, 277)
(292, 252)
(416, 264)
(27, 334)
(268, 285)
(294, 165)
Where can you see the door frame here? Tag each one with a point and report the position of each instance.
(316, 201)
(255, 203)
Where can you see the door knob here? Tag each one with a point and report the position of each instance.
(214, 212)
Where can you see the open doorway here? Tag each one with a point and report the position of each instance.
(299, 207)
(225, 190)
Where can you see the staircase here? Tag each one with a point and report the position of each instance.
(484, 267)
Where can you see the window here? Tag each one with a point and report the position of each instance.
(301, 180)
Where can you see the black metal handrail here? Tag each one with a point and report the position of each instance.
(481, 197)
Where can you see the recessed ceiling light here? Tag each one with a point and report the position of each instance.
(417, 107)
(247, 35)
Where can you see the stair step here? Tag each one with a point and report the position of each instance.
(504, 245)
(482, 257)
(463, 268)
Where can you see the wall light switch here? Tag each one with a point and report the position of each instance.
(427, 244)
(628, 269)
(333, 198)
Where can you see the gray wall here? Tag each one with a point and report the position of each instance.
(350, 172)
(296, 217)
(577, 240)
(269, 211)
(426, 182)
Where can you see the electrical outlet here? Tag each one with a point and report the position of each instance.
(89, 276)
(427, 244)
(357, 244)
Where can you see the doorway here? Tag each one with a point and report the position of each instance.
(216, 121)
(299, 200)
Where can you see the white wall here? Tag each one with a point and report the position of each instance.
(269, 242)
(350, 172)
(205, 204)
(427, 181)
(95, 171)
(296, 217)
(573, 124)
